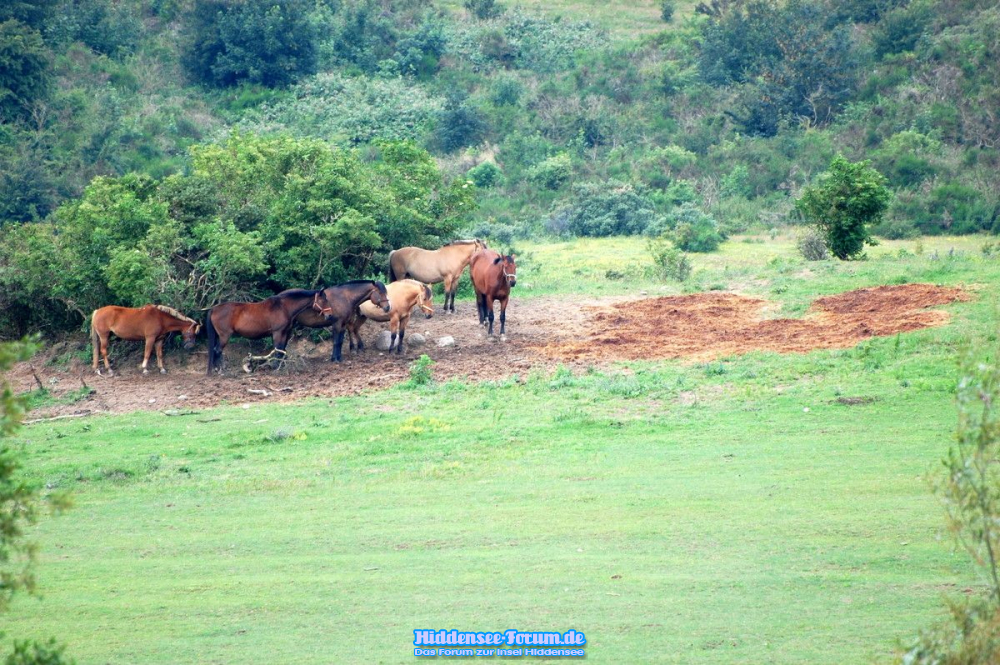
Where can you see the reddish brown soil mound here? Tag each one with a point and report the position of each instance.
(703, 325)
(709, 325)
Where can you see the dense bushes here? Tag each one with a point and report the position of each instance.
(24, 69)
(229, 42)
(254, 216)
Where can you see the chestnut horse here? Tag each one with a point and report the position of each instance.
(151, 323)
(433, 266)
(272, 316)
(339, 304)
(404, 295)
(493, 276)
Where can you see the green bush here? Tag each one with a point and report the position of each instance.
(608, 208)
(812, 246)
(843, 203)
(486, 175)
(228, 42)
(669, 262)
(693, 230)
(552, 173)
(421, 372)
(667, 8)
(483, 9)
(24, 70)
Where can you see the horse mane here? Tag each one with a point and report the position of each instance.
(464, 242)
(174, 313)
(294, 293)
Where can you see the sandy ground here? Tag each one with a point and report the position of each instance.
(541, 332)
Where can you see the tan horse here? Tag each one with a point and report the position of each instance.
(404, 295)
(151, 323)
(433, 266)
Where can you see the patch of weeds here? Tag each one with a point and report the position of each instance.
(562, 378)
(715, 369)
(420, 372)
(416, 425)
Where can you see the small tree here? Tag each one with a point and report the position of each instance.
(970, 490)
(843, 203)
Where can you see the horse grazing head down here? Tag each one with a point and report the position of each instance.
(425, 300)
(508, 268)
(190, 335)
(379, 296)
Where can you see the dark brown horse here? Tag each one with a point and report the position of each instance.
(433, 266)
(493, 276)
(151, 323)
(338, 308)
(272, 316)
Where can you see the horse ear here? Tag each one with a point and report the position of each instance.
(497, 260)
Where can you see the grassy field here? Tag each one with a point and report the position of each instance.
(732, 512)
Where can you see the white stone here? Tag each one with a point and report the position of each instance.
(447, 340)
(383, 340)
(416, 339)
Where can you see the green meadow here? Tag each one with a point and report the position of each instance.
(756, 509)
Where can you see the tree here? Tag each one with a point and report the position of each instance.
(970, 489)
(24, 69)
(19, 506)
(229, 42)
(843, 203)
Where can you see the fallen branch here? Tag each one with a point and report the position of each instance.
(265, 393)
(37, 380)
(177, 412)
(71, 415)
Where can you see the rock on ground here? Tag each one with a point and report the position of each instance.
(416, 339)
(383, 340)
(447, 340)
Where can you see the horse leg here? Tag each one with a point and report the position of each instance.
(148, 351)
(503, 318)
(481, 307)
(451, 286)
(401, 326)
(338, 346)
(489, 309)
(104, 342)
(159, 356)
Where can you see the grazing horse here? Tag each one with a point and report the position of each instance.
(493, 276)
(151, 323)
(339, 304)
(433, 266)
(272, 316)
(404, 295)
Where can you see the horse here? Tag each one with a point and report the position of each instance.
(340, 303)
(151, 323)
(433, 266)
(404, 295)
(493, 276)
(272, 316)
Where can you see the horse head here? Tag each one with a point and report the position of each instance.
(322, 305)
(190, 334)
(379, 296)
(508, 268)
(425, 299)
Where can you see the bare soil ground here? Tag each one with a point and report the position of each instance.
(541, 332)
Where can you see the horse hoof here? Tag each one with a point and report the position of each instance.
(503, 338)
(145, 371)
(163, 371)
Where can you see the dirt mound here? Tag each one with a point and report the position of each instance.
(710, 325)
(541, 332)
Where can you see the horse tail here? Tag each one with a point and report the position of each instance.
(214, 353)
(392, 274)
(95, 339)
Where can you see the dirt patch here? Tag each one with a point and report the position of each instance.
(710, 325)
(541, 332)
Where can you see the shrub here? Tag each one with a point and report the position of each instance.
(421, 373)
(459, 125)
(228, 42)
(668, 261)
(552, 173)
(667, 10)
(843, 203)
(693, 230)
(609, 208)
(24, 69)
(812, 246)
(483, 9)
(486, 175)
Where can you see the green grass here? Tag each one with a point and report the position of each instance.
(674, 512)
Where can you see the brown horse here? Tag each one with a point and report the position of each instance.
(340, 302)
(151, 323)
(404, 295)
(493, 276)
(433, 266)
(272, 316)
